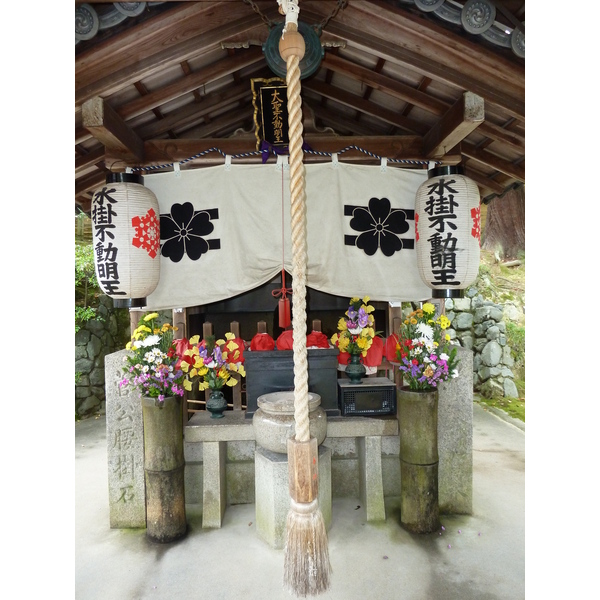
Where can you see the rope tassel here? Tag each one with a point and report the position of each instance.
(306, 568)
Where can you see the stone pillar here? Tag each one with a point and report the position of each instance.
(214, 499)
(273, 495)
(371, 476)
(455, 439)
(125, 448)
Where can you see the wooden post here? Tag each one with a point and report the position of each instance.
(261, 327)
(396, 324)
(180, 332)
(180, 322)
(234, 327)
(316, 325)
(134, 319)
(207, 331)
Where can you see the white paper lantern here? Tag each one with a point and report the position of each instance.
(448, 231)
(126, 238)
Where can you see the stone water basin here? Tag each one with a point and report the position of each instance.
(274, 422)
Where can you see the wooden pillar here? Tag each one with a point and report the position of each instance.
(316, 325)
(234, 327)
(396, 323)
(207, 331)
(180, 332)
(134, 319)
(180, 322)
(261, 327)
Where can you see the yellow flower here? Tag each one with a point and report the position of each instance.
(342, 324)
(428, 372)
(363, 343)
(151, 316)
(428, 308)
(444, 322)
(343, 343)
(413, 321)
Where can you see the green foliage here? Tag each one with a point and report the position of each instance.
(87, 290)
(512, 406)
(83, 314)
(515, 336)
(484, 269)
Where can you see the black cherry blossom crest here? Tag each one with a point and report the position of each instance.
(182, 232)
(380, 226)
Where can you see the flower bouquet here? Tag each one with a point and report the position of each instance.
(153, 362)
(424, 351)
(211, 362)
(355, 330)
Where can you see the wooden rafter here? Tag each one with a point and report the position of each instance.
(465, 116)
(110, 129)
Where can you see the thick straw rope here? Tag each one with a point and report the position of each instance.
(299, 251)
(306, 563)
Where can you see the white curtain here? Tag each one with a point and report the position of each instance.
(239, 235)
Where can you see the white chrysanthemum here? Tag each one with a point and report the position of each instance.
(444, 356)
(151, 340)
(454, 373)
(355, 330)
(426, 359)
(425, 330)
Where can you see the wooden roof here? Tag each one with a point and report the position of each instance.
(408, 80)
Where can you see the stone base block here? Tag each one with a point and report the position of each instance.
(273, 497)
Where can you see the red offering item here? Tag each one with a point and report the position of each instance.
(390, 348)
(262, 341)
(374, 353)
(241, 345)
(343, 358)
(286, 340)
(284, 312)
(318, 339)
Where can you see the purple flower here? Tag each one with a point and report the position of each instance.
(363, 318)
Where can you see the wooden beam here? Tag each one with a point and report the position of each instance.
(483, 181)
(516, 171)
(429, 66)
(185, 85)
(110, 129)
(384, 84)
(207, 36)
(89, 183)
(165, 152)
(413, 97)
(190, 114)
(340, 124)
(357, 103)
(87, 163)
(465, 116)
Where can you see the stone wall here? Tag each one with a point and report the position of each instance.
(93, 342)
(480, 326)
